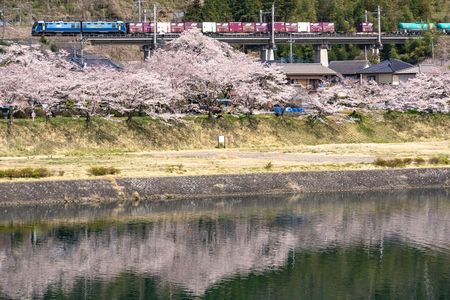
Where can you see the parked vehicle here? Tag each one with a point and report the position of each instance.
(280, 110)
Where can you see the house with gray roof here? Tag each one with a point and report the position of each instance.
(349, 68)
(387, 72)
(310, 76)
(406, 74)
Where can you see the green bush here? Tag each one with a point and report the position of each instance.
(390, 163)
(398, 162)
(439, 160)
(43, 40)
(101, 171)
(25, 173)
(54, 47)
(419, 161)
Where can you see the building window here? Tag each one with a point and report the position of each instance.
(371, 78)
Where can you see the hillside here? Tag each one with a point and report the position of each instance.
(23, 10)
(345, 13)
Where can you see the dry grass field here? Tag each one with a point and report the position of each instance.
(229, 161)
(151, 147)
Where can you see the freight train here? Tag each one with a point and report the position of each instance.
(120, 27)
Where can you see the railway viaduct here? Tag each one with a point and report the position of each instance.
(263, 40)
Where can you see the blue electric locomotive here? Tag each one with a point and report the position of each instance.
(67, 28)
(104, 27)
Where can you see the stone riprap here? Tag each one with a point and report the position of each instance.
(120, 189)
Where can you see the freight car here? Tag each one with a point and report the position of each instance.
(445, 27)
(119, 27)
(233, 27)
(411, 27)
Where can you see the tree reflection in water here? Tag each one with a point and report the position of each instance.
(364, 243)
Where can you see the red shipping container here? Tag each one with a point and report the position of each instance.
(236, 27)
(279, 27)
(261, 27)
(248, 27)
(292, 27)
(135, 27)
(223, 27)
(327, 27)
(316, 27)
(365, 27)
(192, 25)
(148, 27)
(176, 27)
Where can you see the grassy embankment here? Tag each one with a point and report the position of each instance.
(151, 147)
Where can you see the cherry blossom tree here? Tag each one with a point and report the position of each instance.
(425, 93)
(139, 89)
(202, 69)
(29, 76)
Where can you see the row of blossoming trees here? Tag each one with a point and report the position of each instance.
(190, 73)
(424, 93)
(192, 70)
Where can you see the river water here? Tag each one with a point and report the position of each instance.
(374, 245)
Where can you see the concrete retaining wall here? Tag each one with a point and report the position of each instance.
(219, 185)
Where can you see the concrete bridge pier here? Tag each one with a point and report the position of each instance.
(322, 55)
(147, 49)
(267, 54)
(376, 52)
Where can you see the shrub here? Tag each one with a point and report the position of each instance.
(54, 47)
(25, 173)
(179, 169)
(101, 171)
(43, 40)
(419, 161)
(268, 166)
(408, 161)
(390, 163)
(439, 160)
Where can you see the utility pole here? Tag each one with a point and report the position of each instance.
(432, 48)
(81, 46)
(145, 15)
(2, 17)
(155, 24)
(291, 54)
(267, 54)
(139, 10)
(366, 20)
(273, 46)
(379, 44)
(379, 27)
(273, 25)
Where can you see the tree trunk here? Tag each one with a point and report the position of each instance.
(210, 114)
(88, 119)
(10, 121)
(129, 116)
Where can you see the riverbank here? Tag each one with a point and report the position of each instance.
(170, 188)
(69, 136)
